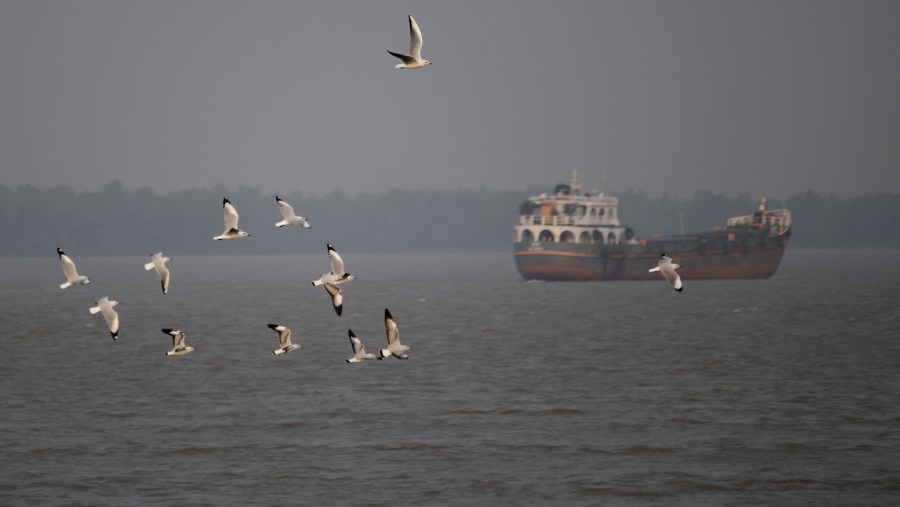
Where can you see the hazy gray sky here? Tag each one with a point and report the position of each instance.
(767, 97)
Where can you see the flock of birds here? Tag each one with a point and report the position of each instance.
(330, 280)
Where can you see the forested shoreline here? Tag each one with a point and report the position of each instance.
(121, 221)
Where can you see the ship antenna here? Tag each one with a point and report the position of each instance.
(575, 186)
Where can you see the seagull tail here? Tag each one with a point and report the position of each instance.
(95, 309)
(65, 285)
(282, 223)
(148, 266)
(654, 270)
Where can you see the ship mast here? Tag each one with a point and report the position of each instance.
(574, 184)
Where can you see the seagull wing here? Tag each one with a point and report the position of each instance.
(337, 264)
(287, 211)
(337, 297)
(390, 327)
(284, 337)
(231, 216)
(177, 339)
(68, 267)
(415, 39)
(112, 318)
(406, 59)
(355, 343)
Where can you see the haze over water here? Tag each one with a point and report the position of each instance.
(778, 392)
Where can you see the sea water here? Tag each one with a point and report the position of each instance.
(778, 392)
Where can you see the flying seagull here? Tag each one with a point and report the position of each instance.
(359, 350)
(72, 276)
(394, 347)
(337, 275)
(231, 222)
(105, 306)
(178, 347)
(287, 211)
(159, 262)
(284, 339)
(333, 278)
(414, 59)
(667, 268)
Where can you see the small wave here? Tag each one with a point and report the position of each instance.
(647, 449)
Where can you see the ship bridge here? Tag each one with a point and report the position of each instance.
(570, 216)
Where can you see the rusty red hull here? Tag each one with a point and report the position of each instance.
(743, 254)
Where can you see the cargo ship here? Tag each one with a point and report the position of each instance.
(575, 236)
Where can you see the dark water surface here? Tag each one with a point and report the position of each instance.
(778, 392)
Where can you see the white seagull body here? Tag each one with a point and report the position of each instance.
(287, 211)
(667, 268)
(359, 350)
(414, 59)
(394, 347)
(159, 262)
(105, 306)
(231, 222)
(284, 339)
(72, 276)
(178, 347)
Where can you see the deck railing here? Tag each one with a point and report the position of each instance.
(772, 218)
(564, 220)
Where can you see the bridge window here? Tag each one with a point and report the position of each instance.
(610, 238)
(546, 236)
(567, 237)
(584, 237)
(527, 236)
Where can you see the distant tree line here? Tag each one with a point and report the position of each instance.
(120, 221)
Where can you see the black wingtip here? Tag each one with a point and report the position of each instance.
(272, 326)
(277, 198)
(330, 248)
(339, 310)
(679, 290)
(387, 314)
(115, 336)
(350, 333)
(167, 330)
(225, 201)
(60, 252)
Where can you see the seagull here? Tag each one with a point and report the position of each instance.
(284, 338)
(337, 275)
(414, 59)
(72, 276)
(359, 350)
(394, 347)
(231, 222)
(159, 262)
(105, 306)
(667, 268)
(287, 211)
(332, 279)
(178, 348)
